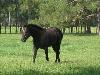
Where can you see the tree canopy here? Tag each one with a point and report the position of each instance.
(59, 13)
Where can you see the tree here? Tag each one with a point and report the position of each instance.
(98, 15)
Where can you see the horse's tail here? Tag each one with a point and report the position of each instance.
(59, 35)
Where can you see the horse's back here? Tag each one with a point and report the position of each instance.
(54, 34)
(50, 37)
(56, 31)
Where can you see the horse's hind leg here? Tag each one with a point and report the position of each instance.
(57, 56)
(56, 49)
(46, 53)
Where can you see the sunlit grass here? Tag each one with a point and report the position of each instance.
(80, 55)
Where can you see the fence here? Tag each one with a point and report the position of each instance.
(9, 29)
(78, 30)
(10, 19)
(16, 29)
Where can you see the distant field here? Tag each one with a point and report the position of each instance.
(80, 55)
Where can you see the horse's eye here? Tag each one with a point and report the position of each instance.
(26, 34)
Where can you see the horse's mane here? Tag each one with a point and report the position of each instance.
(34, 25)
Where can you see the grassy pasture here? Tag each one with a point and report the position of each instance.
(80, 55)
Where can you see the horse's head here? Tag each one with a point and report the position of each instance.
(30, 30)
(25, 33)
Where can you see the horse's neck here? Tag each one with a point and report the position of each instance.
(37, 35)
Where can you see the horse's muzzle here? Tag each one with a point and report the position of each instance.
(23, 40)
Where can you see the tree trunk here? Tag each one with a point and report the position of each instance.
(30, 3)
(0, 28)
(76, 29)
(81, 28)
(98, 29)
(64, 30)
(98, 15)
(71, 29)
(88, 29)
(9, 23)
(85, 29)
(17, 13)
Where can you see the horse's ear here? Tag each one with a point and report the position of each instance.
(25, 25)
(20, 29)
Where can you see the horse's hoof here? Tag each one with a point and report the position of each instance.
(33, 61)
(47, 59)
(59, 60)
(55, 61)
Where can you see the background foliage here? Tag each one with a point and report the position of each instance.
(47, 13)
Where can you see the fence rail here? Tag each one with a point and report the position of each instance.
(9, 29)
(17, 29)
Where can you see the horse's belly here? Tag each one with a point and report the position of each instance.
(48, 40)
(45, 44)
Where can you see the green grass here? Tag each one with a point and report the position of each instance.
(80, 55)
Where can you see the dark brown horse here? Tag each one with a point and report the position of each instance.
(43, 38)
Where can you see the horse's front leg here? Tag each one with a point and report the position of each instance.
(46, 53)
(34, 54)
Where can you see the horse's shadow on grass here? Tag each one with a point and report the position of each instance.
(82, 34)
(67, 62)
(73, 71)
